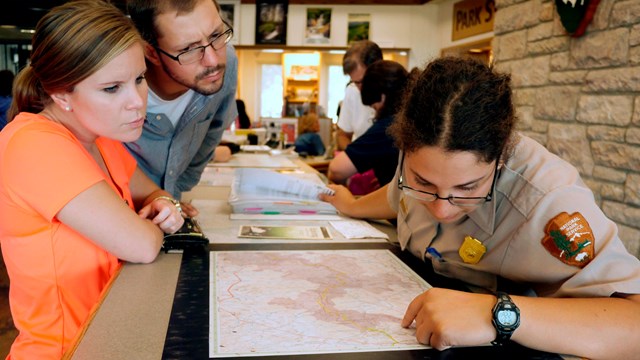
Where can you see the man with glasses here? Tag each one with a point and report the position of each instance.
(355, 118)
(192, 72)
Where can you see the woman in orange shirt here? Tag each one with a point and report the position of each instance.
(73, 203)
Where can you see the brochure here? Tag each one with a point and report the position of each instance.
(285, 232)
(267, 192)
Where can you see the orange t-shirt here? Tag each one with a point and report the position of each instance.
(56, 275)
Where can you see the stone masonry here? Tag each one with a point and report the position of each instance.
(580, 97)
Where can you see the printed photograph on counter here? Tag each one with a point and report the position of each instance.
(285, 232)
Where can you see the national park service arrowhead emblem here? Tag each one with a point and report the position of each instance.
(570, 239)
(576, 15)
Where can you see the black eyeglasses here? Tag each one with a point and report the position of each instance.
(453, 200)
(196, 54)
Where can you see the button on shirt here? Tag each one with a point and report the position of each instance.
(534, 186)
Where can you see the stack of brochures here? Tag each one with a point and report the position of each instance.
(263, 191)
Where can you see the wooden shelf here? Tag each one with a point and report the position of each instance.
(302, 101)
(302, 81)
(291, 48)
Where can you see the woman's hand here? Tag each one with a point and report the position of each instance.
(341, 200)
(163, 212)
(446, 318)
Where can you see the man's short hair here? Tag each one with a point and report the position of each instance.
(363, 52)
(144, 13)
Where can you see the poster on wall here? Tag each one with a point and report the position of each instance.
(358, 27)
(271, 22)
(230, 13)
(318, 26)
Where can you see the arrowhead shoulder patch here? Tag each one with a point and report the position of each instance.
(569, 238)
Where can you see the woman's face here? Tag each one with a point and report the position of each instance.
(448, 174)
(112, 101)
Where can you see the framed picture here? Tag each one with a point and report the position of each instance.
(230, 13)
(358, 27)
(318, 29)
(271, 22)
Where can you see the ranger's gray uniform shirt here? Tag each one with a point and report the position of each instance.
(534, 188)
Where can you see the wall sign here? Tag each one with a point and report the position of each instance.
(472, 17)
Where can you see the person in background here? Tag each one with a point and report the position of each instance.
(308, 141)
(244, 122)
(73, 210)
(355, 117)
(225, 151)
(383, 85)
(192, 75)
(6, 84)
(484, 204)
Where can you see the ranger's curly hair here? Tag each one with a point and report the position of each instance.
(459, 105)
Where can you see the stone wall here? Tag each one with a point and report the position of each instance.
(580, 97)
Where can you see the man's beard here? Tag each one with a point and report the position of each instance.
(210, 89)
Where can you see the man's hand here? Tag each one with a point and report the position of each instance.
(341, 200)
(188, 209)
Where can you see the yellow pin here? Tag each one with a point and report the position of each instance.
(403, 206)
(471, 250)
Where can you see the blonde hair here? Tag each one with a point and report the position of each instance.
(71, 42)
(307, 123)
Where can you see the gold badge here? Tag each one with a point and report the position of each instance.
(570, 239)
(471, 250)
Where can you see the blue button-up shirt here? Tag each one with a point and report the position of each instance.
(174, 158)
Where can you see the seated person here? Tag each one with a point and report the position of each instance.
(242, 121)
(308, 141)
(481, 203)
(382, 87)
(224, 152)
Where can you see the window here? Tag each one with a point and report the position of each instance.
(337, 83)
(271, 100)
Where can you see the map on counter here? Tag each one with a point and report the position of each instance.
(309, 302)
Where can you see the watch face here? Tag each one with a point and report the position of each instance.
(507, 317)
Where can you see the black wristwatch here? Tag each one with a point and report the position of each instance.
(506, 318)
